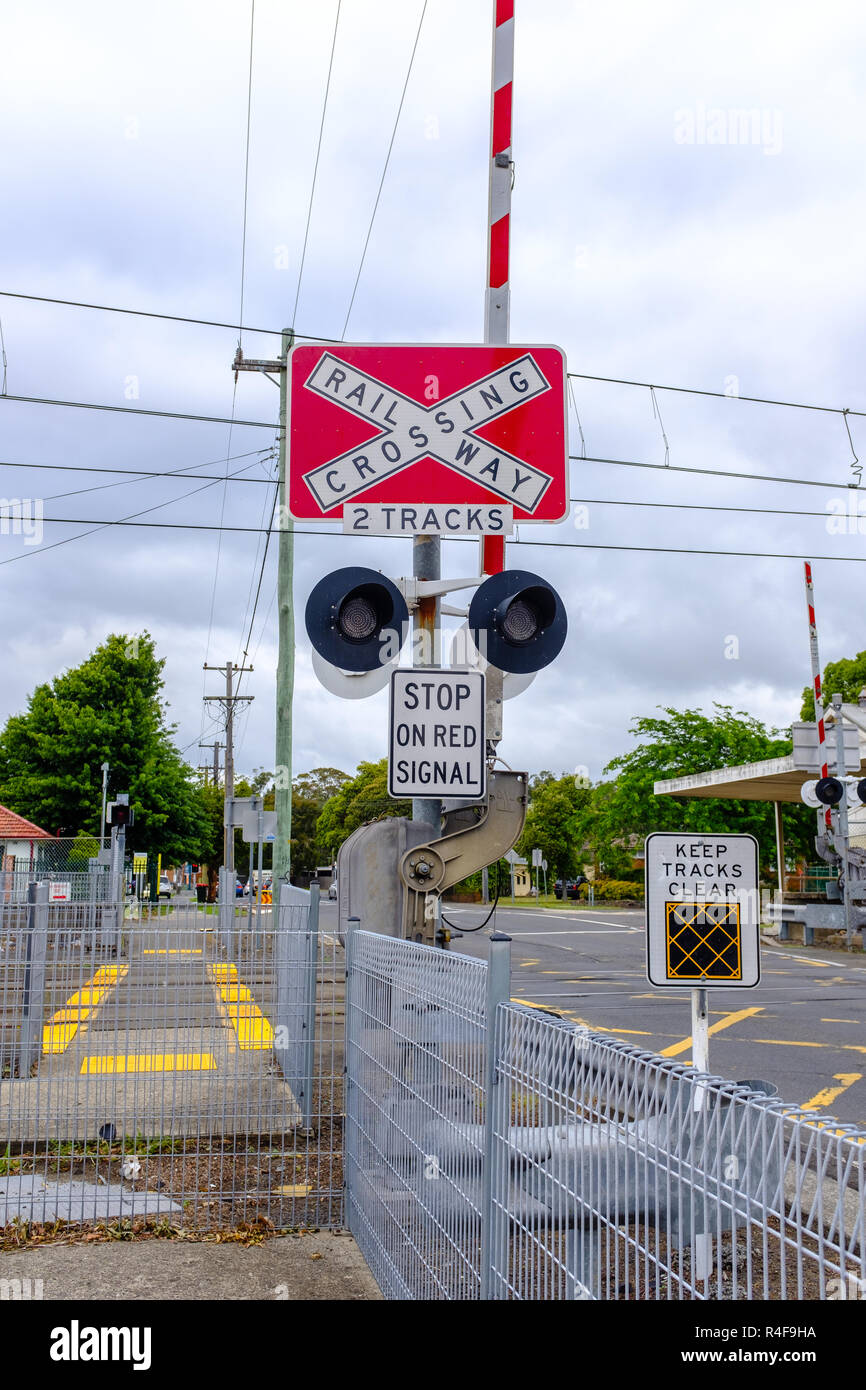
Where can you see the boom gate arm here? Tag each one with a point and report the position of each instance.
(428, 869)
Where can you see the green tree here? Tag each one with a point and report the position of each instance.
(361, 798)
(555, 823)
(311, 792)
(846, 677)
(110, 708)
(624, 811)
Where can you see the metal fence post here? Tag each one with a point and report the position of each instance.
(310, 1003)
(33, 993)
(498, 992)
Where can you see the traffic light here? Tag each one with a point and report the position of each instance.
(517, 621)
(356, 619)
(121, 814)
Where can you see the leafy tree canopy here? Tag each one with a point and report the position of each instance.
(623, 811)
(311, 791)
(361, 798)
(110, 708)
(555, 823)
(846, 677)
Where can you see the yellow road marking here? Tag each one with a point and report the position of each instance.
(148, 1061)
(253, 1031)
(726, 1022)
(61, 1028)
(796, 1042)
(841, 1020)
(525, 963)
(530, 1004)
(831, 1093)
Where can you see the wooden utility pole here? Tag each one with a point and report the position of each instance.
(216, 746)
(229, 700)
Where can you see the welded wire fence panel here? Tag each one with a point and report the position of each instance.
(414, 1107)
(619, 1175)
(140, 1073)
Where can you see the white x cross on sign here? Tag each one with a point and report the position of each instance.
(445, 431)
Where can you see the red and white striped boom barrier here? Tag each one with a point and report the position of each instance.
(496, 308)
(816, 684)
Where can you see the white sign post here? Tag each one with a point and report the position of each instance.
(702, 915)
(437, 745)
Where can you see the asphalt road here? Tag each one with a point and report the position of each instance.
(803, 1027)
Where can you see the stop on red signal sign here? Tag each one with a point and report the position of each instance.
(427, 424)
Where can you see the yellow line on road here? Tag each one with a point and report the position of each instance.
(726, 1022)
(797, 1042)
(831, 1093)
(61, 1028)
(148, 1061)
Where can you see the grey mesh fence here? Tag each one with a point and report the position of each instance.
(415, 1038)
(142, 1069)
(621, 1175)
(562, 1164)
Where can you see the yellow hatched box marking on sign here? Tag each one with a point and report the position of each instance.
(148, 1061)
(702, 941)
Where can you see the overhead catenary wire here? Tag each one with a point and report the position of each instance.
(716, 395)
(384, 171)
(330, 338)
(182, 474)
(575, 546)
(169, 318)
(316, 164)
(101, 525)
(138, 410)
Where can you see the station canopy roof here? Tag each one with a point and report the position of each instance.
(772, 779)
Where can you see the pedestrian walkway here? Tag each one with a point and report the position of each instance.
(171, 1041)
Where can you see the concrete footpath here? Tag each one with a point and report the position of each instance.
(319, 1266)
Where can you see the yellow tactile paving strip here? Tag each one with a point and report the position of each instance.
(236, 1004)
(148, 1061)
(61, 1028)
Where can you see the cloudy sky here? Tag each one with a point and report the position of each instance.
(688, 211)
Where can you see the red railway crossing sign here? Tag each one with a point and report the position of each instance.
(427, 425)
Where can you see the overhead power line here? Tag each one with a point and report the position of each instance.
(136, 410)
(384, 170)
(715, 473)
(170, 318)
(544, 545)
(717, 395)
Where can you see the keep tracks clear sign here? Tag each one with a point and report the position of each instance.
(702, 910)
(437, 746)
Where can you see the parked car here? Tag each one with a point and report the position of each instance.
(571, 886)
(165, 888)
(332, 891)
